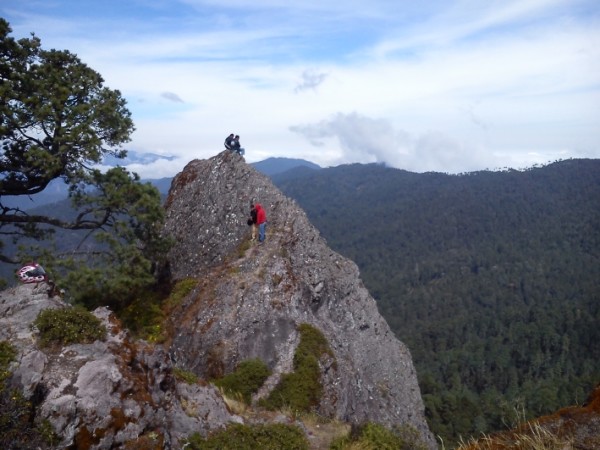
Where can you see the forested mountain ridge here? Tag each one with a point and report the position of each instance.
(491, 278)
(275, 166)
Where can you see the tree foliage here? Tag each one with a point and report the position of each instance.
(490, 278)
(57, 123)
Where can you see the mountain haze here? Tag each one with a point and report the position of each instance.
(57, 190)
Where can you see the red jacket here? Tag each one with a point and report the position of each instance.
(261, 215)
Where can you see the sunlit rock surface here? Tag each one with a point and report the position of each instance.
(250, 299)
(107, 393)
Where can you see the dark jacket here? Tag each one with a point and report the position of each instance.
(229, 142)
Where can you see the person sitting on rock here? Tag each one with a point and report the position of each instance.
(229, 142)
(237, 147)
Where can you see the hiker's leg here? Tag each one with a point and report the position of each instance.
(261, 231)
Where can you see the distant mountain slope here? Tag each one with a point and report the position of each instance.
(491, 278)
(53, 202)
(274, 166)
(162, 184)
(57, 190)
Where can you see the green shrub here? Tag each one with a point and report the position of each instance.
(301, 390)
(312, 344)
(144, 317)
(185, 375)
(247, 379)
(17, 429)
(181, 289)
(373, 436)
(7, 355)
(69, 326)
(244, 437)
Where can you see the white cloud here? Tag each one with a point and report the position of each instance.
(451, 86)
(367, 140)
(158, 169)
(310, 80)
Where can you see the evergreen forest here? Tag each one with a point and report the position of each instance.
(491, 278)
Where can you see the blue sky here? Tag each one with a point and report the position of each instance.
(449, 86)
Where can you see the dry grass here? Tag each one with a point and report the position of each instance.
(323, 431)
(575, 427)
(531, 436)
(235, 403)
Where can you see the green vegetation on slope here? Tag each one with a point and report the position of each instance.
(69, 326)
(246, 380)
(276, 436)
(301, 390)
(17, 429)
(372, 436)
(490, 278)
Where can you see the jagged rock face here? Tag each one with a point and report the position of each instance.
(249, 301)
(108, 394)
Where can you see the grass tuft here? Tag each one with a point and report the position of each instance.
(65, 326)
(373, 436)
(246, 380)
(235, 402)
(185, 375)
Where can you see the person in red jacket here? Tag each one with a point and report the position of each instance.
(261, 221)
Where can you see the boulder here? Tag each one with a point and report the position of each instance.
(108, 393)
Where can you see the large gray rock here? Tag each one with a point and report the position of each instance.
(249, 302)
(105, 394)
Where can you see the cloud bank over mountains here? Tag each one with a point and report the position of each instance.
(445, 86)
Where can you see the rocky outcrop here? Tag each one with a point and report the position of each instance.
(107, 394)
(250, 299)
(248, 302)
